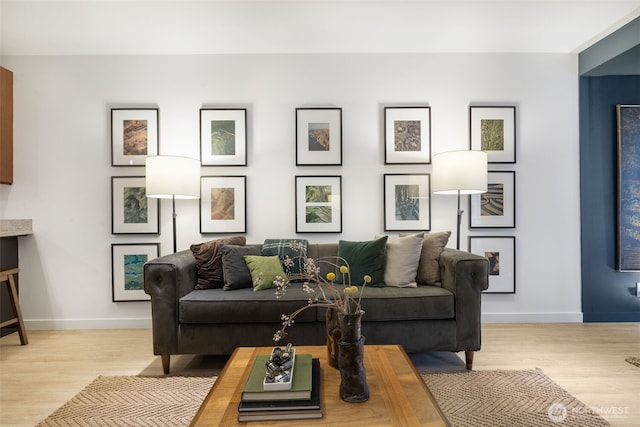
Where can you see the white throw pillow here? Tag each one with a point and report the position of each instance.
(403, 258)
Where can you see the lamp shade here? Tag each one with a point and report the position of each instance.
(172, 176)
(460, 172)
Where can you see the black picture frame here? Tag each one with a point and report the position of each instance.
(497, 207)
(223, 136)
(132, 212)
(501, 253)
(318, 136)
(134, 135)
(407, 202)
(492, 129)
(223, 204)
(127, 270)
(318, 204)
(407, 135)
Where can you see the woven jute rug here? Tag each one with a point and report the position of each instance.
(472, 398)
(508, 399)
(633, 360)
(134, 402)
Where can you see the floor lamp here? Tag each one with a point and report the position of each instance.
(458, 173)
(172, 177)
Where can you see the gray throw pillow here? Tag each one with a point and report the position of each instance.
(236, 272)
(429, 267)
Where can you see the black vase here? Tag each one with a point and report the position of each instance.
(353, 377)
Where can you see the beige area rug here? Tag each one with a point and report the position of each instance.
(633, 360)
(508, 399)
(476, 398)
(134, 402)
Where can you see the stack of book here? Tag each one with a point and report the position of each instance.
(301, 401)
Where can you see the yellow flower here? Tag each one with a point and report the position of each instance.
(344, 269)
(331, 275)
(350, 290)
(367, 278)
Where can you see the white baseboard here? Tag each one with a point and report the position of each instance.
(531, 317)
(61, 324)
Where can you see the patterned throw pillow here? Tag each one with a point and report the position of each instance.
(208, 257)
(291, 252)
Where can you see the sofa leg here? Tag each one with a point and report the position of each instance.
(165, 363)
(468, 356)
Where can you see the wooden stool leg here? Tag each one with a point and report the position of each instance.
(16, 309)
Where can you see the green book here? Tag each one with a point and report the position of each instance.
(300, 387)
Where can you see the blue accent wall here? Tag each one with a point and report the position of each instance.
(607, 295)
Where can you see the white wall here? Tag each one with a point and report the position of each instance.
(63, 171)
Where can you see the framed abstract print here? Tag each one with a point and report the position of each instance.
(493, 130)
(127, 268)
(318, 136)
(223, 137)
(223, 204)
(134, 135)
(132, 212)
(501, 253)
(628, 126)
(318, 204)
(407, 202)
(407, 135)
(497, 207)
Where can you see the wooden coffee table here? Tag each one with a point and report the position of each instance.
(398, 397)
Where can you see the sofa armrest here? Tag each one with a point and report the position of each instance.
(167, 279)
(466, 275)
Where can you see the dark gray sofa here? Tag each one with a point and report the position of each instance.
(215, 321)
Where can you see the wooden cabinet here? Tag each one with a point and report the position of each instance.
(6, 126)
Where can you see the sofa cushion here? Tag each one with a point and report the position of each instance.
(390, 304)
(245, 306)
(429, 267)
(403, 257)
(264, 270)
(364, 258)
(236, 272)
(292, 253)
(208, 257)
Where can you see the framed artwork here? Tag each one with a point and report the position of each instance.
(223, 137)
(223, 204)
(493, 130)
(127, 267)
(134, 135)
(318, 136)
(318, 204)
(132, 212)
(407, 202)
(497, 207)
(501, 253)
(407, 135)
(628, 127)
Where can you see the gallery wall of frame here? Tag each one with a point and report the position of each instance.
(318, 197)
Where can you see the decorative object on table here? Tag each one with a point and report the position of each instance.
(501, 253)
(300, 388)
(223, 136)
(134, 135)
(172, 177)
(407, 135)
(493, 130)
(318, 136)
(132, 212)
(458, 173)
(223, 204)
(344, 301)
(353, 377)
(279, 369)
(407, 202)
(127, 263)
(318, 204)
(497, 207)
(628, 121)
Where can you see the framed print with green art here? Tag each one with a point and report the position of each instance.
(493, 130)
(132, 212)
(127, 267)
(407, 202)
(223, 137)
(318, 204)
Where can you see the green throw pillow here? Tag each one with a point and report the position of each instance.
(368, 257)
(264, 270)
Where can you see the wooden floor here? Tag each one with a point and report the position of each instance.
(585, 359)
